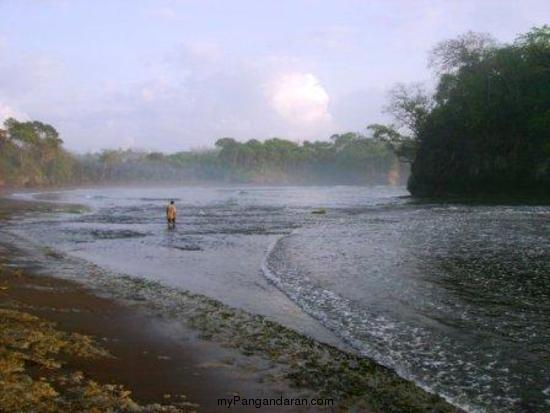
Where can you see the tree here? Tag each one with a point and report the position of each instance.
(467, 50)
(403, 146)
(409, 106)
(32, 154)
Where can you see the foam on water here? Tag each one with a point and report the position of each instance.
(466, 321)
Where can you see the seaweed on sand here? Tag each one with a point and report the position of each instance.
(355, 383)
(34, 376)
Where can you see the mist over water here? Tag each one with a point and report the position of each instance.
(452, 296)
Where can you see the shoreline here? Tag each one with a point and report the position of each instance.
(269, 358)
(8, 192)
(145, 360)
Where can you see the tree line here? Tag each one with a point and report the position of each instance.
(31, 155)
(349, 158)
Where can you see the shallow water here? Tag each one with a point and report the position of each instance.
(455, 297)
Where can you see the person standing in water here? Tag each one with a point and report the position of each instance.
(171, 214)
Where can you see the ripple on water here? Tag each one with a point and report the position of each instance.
(456, 299)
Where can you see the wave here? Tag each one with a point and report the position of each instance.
(320, 303)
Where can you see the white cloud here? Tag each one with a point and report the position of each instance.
(299, 98)
(7, 112)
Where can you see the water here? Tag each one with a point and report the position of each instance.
(454, 296)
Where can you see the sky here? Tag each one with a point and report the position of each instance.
(175, 75)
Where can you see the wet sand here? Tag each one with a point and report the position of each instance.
(147, 360)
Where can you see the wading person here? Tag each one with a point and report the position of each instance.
(171, 215)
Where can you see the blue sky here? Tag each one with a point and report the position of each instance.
(179, 74)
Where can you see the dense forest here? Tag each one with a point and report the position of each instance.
(31, 155)
(486, 128)
(346, 158)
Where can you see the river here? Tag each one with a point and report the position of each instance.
(453, 296)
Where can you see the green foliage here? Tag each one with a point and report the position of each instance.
(486, 130)
(31, 154)
(403, 146)
(347, 158)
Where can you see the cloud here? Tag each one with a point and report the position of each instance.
(29, 75)
(196, 94)
(299, 98)
(7, 112)
(198, 98)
